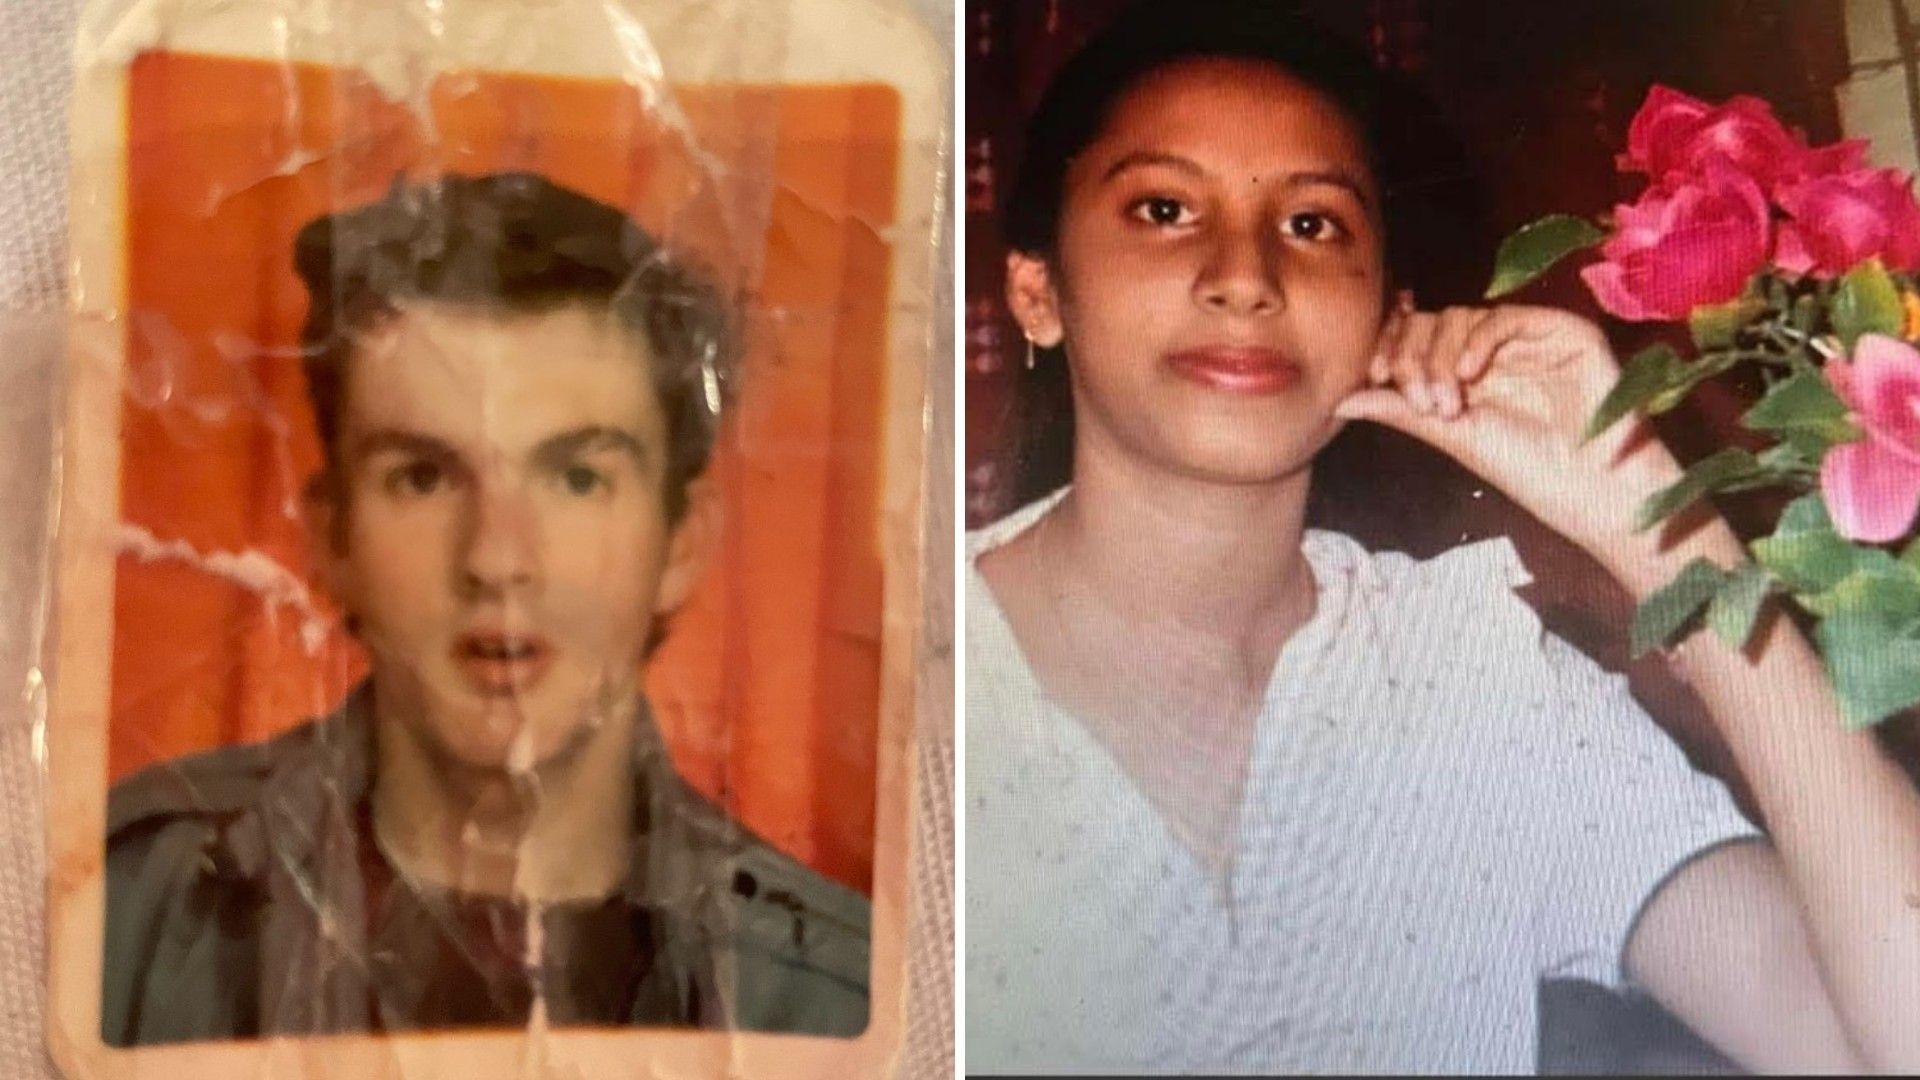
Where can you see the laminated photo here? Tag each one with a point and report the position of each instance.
(489, 553)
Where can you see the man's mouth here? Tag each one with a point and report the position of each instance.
(502, 664)
(1236, 369)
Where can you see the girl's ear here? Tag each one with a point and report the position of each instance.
(1034, 301)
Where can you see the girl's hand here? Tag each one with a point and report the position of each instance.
(1507, 392)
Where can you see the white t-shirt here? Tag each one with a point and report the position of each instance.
(1445, 804)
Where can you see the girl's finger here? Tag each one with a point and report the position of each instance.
(1443, 361)
(1392, 329)
(1409, 361)
(1502, 324)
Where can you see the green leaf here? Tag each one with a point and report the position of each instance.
(1800, 400)
(1803, 402)
(1868, 603)
(1736, 603)
(1805, 514)
(1788, 460)
(1811, 445)
(1715, 326)
(1876, 583)
(1804, 552)
(1681, 382)
(1875, 665)
(1867, 302)
(1911, 553)
(1651, 371)
(1673, 605)
(1535, 248)
(1721, 469)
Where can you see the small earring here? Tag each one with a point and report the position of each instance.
(1030, 357)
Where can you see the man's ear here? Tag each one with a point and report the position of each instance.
(692, 546)
(326, 522)
(1033, 299)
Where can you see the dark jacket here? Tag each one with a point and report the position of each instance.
(237, 885)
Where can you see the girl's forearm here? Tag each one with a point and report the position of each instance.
(1844, 819)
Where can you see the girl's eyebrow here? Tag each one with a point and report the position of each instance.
(1333, 176)
(1139, 159)
(1339, 178)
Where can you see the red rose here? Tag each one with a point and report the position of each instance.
(1674, 134)
(1681, 247)
(1841, 221)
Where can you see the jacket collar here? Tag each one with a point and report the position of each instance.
(306, 854)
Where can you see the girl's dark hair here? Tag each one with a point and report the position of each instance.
(1143, 39)
(516, 243)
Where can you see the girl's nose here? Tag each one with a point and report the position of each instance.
(1243, 276)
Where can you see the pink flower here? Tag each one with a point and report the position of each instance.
(1673, 135)
(1872, 486)
(1842, 220)
(1678, 249)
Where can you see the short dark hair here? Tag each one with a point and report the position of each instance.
(1151, 35)
(517, 243)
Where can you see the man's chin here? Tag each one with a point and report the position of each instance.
(468, 727)
(509, 734)
(518, 752)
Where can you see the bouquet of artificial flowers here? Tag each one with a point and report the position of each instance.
(1800, 262)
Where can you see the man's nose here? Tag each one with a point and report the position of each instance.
(501, 549)
(1242, 274)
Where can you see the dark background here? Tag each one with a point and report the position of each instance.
(1507, 110)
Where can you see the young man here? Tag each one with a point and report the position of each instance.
(515, 388)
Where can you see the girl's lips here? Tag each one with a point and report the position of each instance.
(1236, 370)
(500, 665)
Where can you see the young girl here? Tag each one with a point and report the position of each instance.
(1243, 795)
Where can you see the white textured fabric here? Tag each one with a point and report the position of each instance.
(29, 348)
(1444, 805)
(35, 84)
(35, 87)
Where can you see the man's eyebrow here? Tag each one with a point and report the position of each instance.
(401, 441)
(570, 444)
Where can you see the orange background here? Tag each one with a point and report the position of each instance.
(767, 685)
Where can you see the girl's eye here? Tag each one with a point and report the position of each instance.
(1162, 210)
(582, 480)
(1313, 225)
(416, 479)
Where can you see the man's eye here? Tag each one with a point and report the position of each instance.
(1313, 225)
(1162, 210)
(582, 479)
(416, 478)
